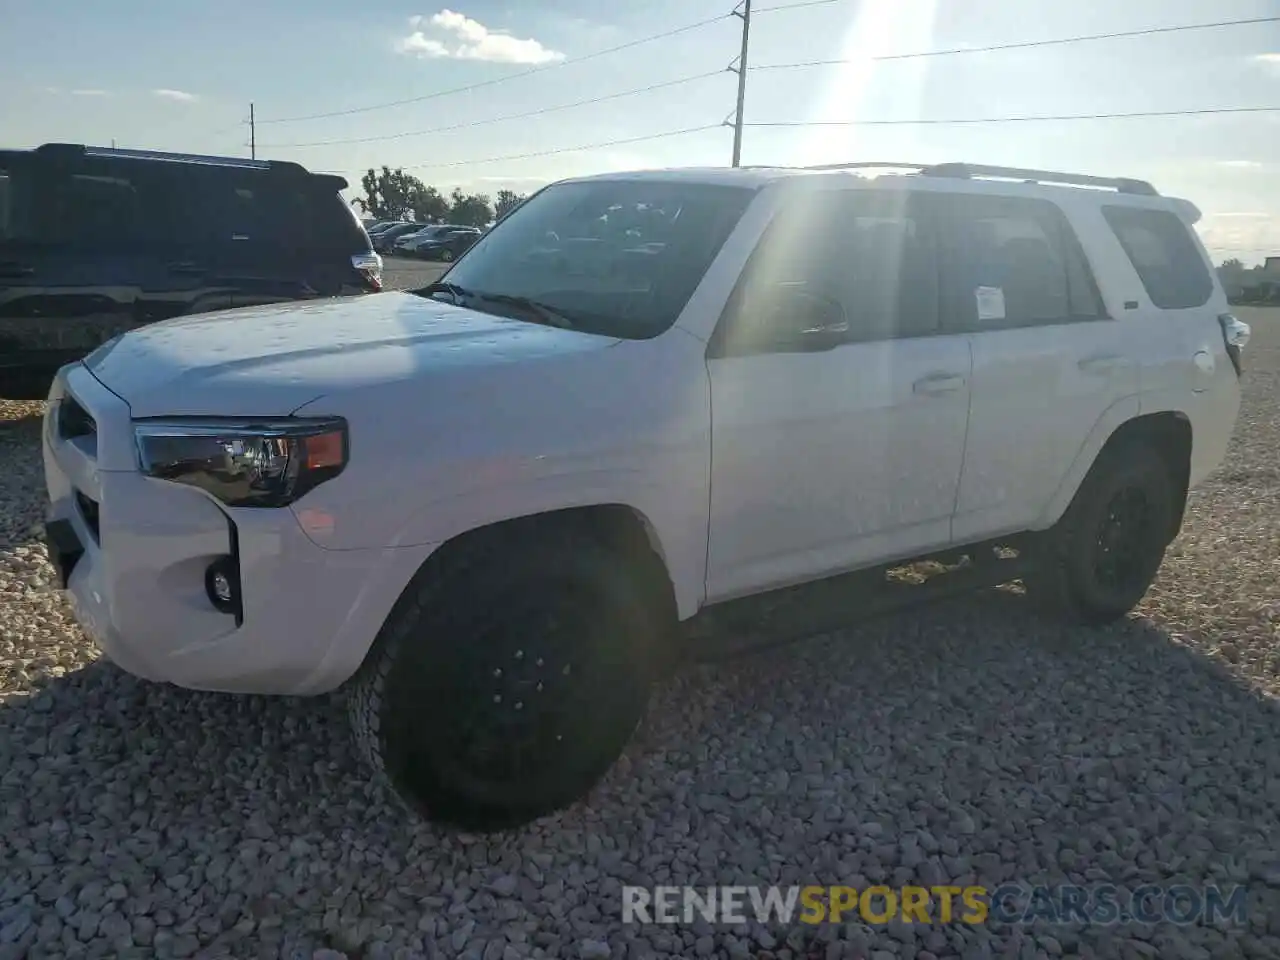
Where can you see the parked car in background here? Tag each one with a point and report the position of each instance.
(384, 240)
(95, 241)
(381, 225)
(444, 242)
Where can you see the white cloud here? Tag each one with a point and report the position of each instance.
(1244, 164)
(458, 37)
(180, 96)
(1246, 214)
(1269, 62)
(89, 93)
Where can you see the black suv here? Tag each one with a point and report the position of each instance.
(95, 241)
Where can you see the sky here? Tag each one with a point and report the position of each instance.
(175, 75)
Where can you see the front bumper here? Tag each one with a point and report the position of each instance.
(134, 552)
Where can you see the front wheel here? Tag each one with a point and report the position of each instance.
(510, 684)
(446, 255)
(1104, 553)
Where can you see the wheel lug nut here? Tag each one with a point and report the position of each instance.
(519, 705)
(497, 673)
(519, 654)
(539, 686)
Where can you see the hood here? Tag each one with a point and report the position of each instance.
(270, 360)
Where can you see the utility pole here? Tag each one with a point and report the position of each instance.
(253, 135)
(745, 14)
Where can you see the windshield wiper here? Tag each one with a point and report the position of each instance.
(541, 312)
(444, 286)
(544, 313)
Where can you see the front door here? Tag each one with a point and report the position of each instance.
(838, 406)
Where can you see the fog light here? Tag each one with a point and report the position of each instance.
(222, 584)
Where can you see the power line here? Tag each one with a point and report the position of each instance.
(1022, 119)
(795, 6)
(510, 116)
(549, 153)
(511, 76)
(1025, 44)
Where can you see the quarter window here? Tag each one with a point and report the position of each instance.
(1161, 251)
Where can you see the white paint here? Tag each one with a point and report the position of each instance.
(749, 472)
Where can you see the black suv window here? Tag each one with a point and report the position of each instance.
(94, 210)
(1160, 249)
(870, 255)
(280, 210)
(1012, 262)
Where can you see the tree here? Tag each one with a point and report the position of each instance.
(508, 200)
(470, 209)
(430, 207)
(392, 194)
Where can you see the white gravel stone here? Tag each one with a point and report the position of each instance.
(960, 744)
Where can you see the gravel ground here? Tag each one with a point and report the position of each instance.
(402, 274)
(963, 743)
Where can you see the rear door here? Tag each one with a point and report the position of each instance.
(1048, 359)
(70, 260)
(184, 272)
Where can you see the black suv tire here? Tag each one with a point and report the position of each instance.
(510, 681)
(1105, 551)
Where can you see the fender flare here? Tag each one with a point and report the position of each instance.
(680, 546)
(1114, 417)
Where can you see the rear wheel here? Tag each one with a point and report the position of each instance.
(446, 255)
(510, 683)
(1102, 556)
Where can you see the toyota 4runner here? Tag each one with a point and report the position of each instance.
(493, 508)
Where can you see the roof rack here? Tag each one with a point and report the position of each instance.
(975, 170)
(968, 171)
(866, 165)
(120, 153)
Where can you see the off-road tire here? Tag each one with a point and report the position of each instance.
(1066, 582)
(434, 658)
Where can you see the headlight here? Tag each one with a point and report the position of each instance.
(245, 463)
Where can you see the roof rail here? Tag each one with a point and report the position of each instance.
(866, 165)
(121, 153)
(971, 170)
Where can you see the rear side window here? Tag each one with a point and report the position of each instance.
(1012, 262)
(1159, 246)
(94, 210)
(222, 206)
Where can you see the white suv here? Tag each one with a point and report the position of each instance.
(485, 506)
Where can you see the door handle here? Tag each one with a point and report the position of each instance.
(938, 383)
(186, 266)
(1105, 363)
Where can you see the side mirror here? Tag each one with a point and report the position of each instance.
(800, 320)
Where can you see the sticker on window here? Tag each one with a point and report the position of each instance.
(990, 302)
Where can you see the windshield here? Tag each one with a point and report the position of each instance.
(616, 257)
